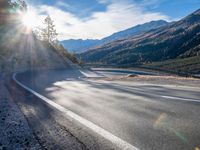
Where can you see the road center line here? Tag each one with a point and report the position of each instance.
(182, 99)
(107, 135)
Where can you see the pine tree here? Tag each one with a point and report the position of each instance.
(21, 4)
(49, 33)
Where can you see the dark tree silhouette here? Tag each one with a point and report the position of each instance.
(9, 10)
(5, 6)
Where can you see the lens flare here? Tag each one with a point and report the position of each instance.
(29, 20)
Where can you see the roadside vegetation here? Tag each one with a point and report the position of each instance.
(49, 35)
(22, 48)
(185, 66)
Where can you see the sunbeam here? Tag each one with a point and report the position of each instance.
(29, 19)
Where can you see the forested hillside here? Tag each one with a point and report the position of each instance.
(179, 39)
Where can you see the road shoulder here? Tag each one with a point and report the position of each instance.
(15, 132)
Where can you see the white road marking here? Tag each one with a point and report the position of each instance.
(91, 74)
(182, 99)
(107, 135)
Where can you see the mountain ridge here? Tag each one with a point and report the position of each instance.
(80, 45)
(180, 39)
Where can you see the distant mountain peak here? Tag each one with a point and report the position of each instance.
(197, 12)
(80, 45)
(154, 21)
(137, 29)
(192, 18)
(175, 40)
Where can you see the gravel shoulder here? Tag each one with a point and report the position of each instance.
(157, 80)
(48, 132)
(15, 132)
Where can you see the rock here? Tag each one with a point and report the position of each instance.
(131, 75)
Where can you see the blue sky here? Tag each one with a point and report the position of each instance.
(96, 19)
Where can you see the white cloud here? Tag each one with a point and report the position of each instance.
(119, 15)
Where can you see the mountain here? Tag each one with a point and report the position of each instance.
(134, 31)
(80, 45)
(179, 39)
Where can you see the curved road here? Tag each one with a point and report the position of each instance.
(148, 116)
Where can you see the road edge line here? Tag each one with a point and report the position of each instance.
(181, 99)
(105, 134)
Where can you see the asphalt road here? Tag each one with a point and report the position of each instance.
(148, 116)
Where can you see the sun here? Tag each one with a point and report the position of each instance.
(29, 20)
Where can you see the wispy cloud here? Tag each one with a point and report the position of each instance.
(119, 15)
(151, 3)
(63, 4)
